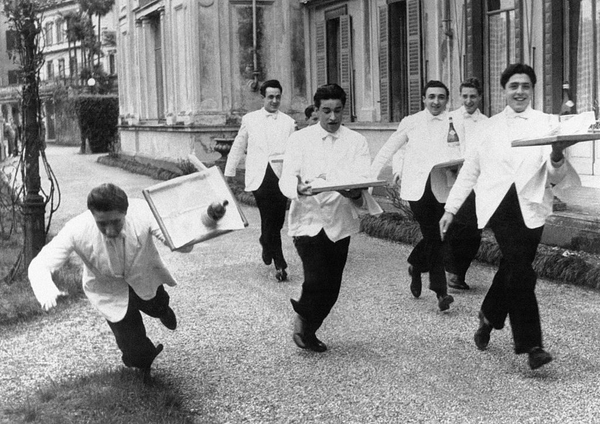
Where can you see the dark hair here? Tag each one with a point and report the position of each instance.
(435, 84)
(107, 198)
(270, 84)
(309, 111)
(329, 92)
(472, 83)
(517, 68)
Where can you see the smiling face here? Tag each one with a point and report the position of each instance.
(518, 91)
(272, 99)
(470, 99)
(330, 114)
(435, 100)
(109, 223)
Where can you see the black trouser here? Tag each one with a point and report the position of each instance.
(271, 204)
(427, 255)
(463, 239)
(323, 262)
(130, 333)
(512, 291)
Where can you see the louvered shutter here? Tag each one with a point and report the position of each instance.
(321, 54)
(384, 67)
(414, 55)
(346, 64)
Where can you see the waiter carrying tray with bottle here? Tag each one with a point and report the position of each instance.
(433, 154)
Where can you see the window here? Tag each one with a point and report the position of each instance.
(156, 40)
(61, 68)
(13, 77)
(11, 40)
(49, 33)
(400, 60)
(501, 48)
(334, 54)
(60, 34)
(49, 70)
(112, 65)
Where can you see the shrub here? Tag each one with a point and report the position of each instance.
(98, 118)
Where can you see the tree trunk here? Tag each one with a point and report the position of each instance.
(33, 206)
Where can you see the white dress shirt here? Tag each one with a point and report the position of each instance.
(340, 157)
(469, 126)
(426, 139)
(110, 265)
(262, 136)
(494, 166)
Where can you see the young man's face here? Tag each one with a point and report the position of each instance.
(330, 114)
(109, 223)
(272, 99)
(518, 91)
(435, 100)
(470, 99)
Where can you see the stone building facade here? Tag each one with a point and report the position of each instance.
(192, 65)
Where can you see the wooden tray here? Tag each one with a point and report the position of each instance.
(554, 138)
(336, 187)
(178, 205)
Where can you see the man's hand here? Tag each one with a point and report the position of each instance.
(48, 299)
(353, 193)
(304, 188)
(445, 222)
(558, 150)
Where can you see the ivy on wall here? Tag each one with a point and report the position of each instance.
(98, 118)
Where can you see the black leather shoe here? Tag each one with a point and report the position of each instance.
(169, 320)
(455, 282)
(444, 302)
(482, 335)
(281, 275)
(309, 343)
(538, 357)
(415, 281)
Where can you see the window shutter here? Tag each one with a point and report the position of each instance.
(519, 31)
(414, 55)
(321, 54)
(553, 45)
(384, 68)
(346, 64)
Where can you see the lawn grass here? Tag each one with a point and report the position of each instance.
(119, 396)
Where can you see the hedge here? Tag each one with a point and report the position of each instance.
(98, 117)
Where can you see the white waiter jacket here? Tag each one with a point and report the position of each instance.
(425, 138)
(106, 279)
(262, 135)
(494, 166)
(339, 157)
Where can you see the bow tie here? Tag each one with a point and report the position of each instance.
(272, 115)
(512, 114)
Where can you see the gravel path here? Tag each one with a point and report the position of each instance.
(391, 358)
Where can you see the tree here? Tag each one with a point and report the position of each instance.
(99, 8)
(24, 17)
